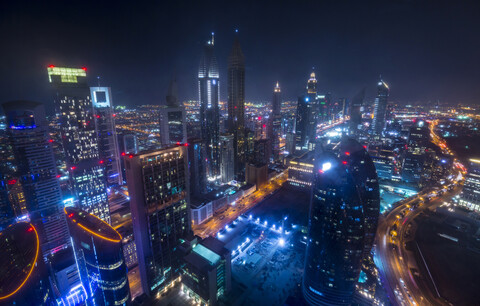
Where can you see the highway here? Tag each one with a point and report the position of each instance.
(221, 219)
(396, 265)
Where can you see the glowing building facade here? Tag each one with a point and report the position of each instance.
(37, 174)
(79, 137)
(276, 122)
(159, 190)
(99, 256)
(209, 94)
(470, 197)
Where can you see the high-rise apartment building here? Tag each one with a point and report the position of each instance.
(79, 136)
(416, 156)
(236, 106)
(209, 93)
(104, 116)
(356, 108)
(39, 186)
(380, 108)
(99, 257)
(158, 185)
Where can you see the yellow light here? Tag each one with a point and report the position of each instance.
(31, 269)
(96, 234)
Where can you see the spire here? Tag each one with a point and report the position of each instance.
(172, 94)
(236, 57)
(277, 88)
(213, 38)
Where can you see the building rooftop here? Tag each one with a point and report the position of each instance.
(206, 254)
(92, 224)
(19, 245)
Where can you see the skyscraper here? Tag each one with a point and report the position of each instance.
(227, 154)
(236, 106)
(108, 149)
(37, 172)
(380, 110)
(80, 143)
(360, 165)
(302, 123)
(336, 232)
(276, 122)
(197, 166)
(356, 112)
(173, 125)
(99, 256)
(209, 92)
(23, 275)
(159, 190)
(416, 156)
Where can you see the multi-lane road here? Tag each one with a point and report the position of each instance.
(398, 267)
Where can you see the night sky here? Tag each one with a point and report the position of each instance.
(425, 50)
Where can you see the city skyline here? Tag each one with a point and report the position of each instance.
(343, 67)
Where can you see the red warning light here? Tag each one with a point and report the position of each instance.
(178, 143)
(364, 147)
(101, 161)
(259, 117)
(186, 144)
(12, 182)
(70, 215)
(264, 126)
(320, 171)
(59, 176)
(50, 140)
(130, 156)
(344, 162)
(73, 168)
(51, 66)
(347, 153)
(84, 68)
(114, 115)
(123, 153)
(30, 229)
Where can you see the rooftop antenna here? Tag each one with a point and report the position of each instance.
(98, 80)
(213, 38)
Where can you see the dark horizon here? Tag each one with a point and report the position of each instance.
(424, 51)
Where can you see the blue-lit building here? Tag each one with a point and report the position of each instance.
(197, 166)
(37, 173)
(345, 199)
(88, 182)
(209, 95)
(99, 256)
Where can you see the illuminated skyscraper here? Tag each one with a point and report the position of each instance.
(197, 166)
(308, 115)
(312, 85)
(236, 106)
(209, 93)
(276, 122)
(416, 156)
(159, 190)
(356, 109)
(380, 110)
(99, 256)
(335, 235)
(37, 172)
(107, 135)
(23, 275)
(74, 108)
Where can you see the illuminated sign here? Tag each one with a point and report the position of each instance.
(101, 96)
(67, 75)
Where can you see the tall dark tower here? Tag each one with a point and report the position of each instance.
(335, 234)
(236, 106)
(380, 110)
(362, 168)
(208, 91)
(356, 112)
(276, 122)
